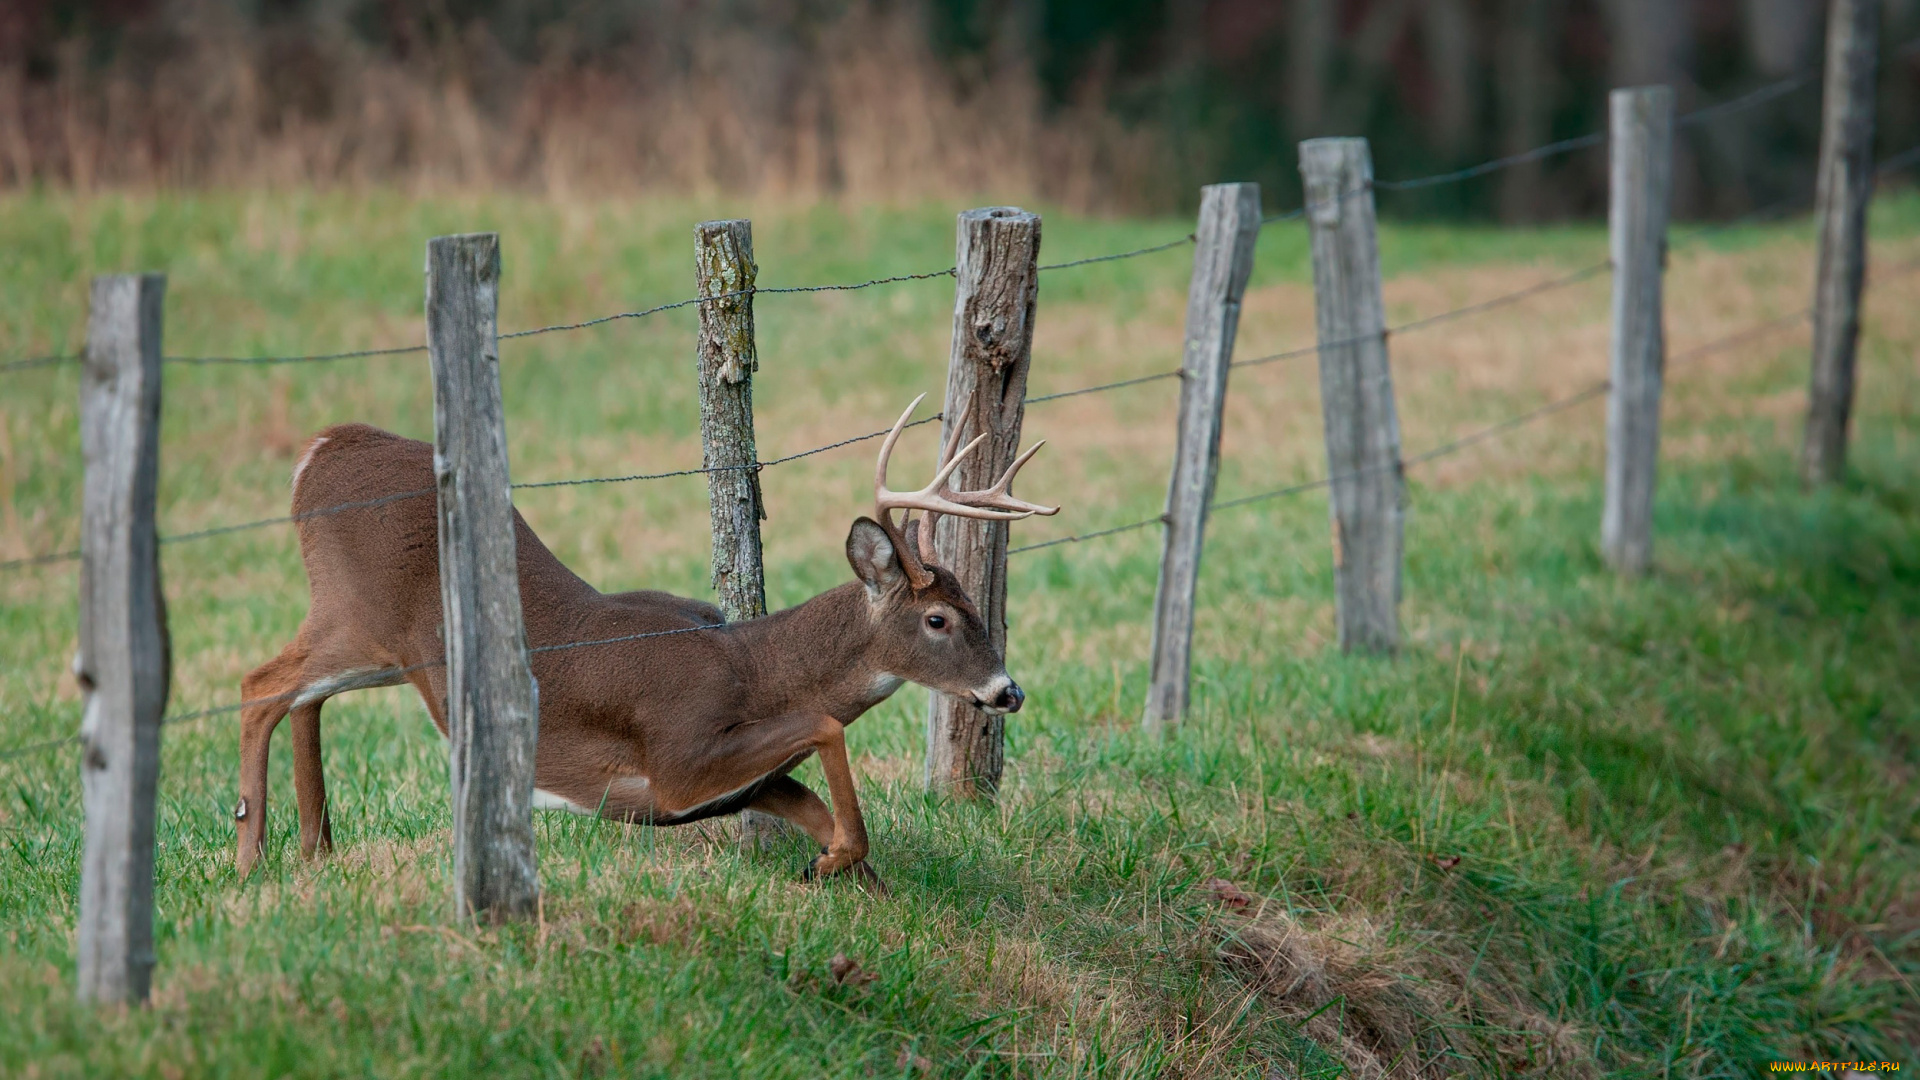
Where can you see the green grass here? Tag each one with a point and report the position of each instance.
(1580, 826)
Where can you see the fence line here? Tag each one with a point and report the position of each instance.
(1451, 446)
(1444, 449)
(1902, 160)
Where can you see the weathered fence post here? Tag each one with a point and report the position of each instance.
(727, 358)
(1640, 196)
(1356, 393)
(1222, 263)
(1845, 186)
(492, 704)
(997, 287)
(123, 662)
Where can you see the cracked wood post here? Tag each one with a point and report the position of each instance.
(492, 702)
(123, 664)
(727, 357)
(1222, 262)
(997, 285)
(1845, 187)
(1638, 205)
(1366, 484)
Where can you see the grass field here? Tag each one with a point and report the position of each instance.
(1580, 827)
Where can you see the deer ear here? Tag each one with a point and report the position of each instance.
(870, 552)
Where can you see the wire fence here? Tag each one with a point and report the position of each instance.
(1444, 449)
(1903, 160)
(1760, 96)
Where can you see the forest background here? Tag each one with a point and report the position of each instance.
(1092, 105)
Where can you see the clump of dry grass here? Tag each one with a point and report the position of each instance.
(1388, 1010)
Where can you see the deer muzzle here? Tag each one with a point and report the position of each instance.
(1001, 696)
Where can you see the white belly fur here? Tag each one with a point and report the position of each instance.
(547, 800)
(622, 791)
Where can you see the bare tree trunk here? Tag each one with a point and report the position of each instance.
(1782, 35)
(1526, 102)
(1310, 43)
(1447, 32)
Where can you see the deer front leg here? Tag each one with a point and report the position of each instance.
(270, 687)
(848, 849)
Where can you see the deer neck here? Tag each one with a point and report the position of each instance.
(816, 657)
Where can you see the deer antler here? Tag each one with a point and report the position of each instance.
(915, 539)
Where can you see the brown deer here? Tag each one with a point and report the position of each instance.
(701, 719)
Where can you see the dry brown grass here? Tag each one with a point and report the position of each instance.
(1384, 1009)
(860, 108)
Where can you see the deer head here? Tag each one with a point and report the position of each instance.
(931, 631)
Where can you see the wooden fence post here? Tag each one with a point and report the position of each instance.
(997, 287)
(1222, 263)
(1845, 186)
(1641, 193)
(123, 664)
(727, 357)
(492, 702)
(1366, 484)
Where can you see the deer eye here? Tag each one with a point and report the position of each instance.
(936, 622)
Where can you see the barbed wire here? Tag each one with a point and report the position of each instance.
(1135, 253)
(733, 295)
(288, 519)
(1455, 445)
(1452, 446)
(1412, 325)
(1705, 114)
(38, 362)
(1901, 160)
(1101, 388)
(40, 560)
(399, 350)
(1898, 161)
(1578, 142)
(1096, 534)
(1778, 88)
(1425, 456)
(316, 358)
(1904, 159)
(36, 747)
(1426, 321)
(202, 534)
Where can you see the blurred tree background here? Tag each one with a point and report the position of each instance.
(1095, 104)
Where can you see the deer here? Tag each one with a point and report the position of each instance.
(667, 714)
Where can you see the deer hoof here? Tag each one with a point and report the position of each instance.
(859, 870)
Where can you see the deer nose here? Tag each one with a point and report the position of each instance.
(1010, 699)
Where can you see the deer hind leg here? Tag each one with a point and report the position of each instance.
(788, 798)
(271, 686)
(309, 783)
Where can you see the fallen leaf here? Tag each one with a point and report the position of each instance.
(1230, 895)
(848, 972)
(1446, 863)
(909, 1061)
